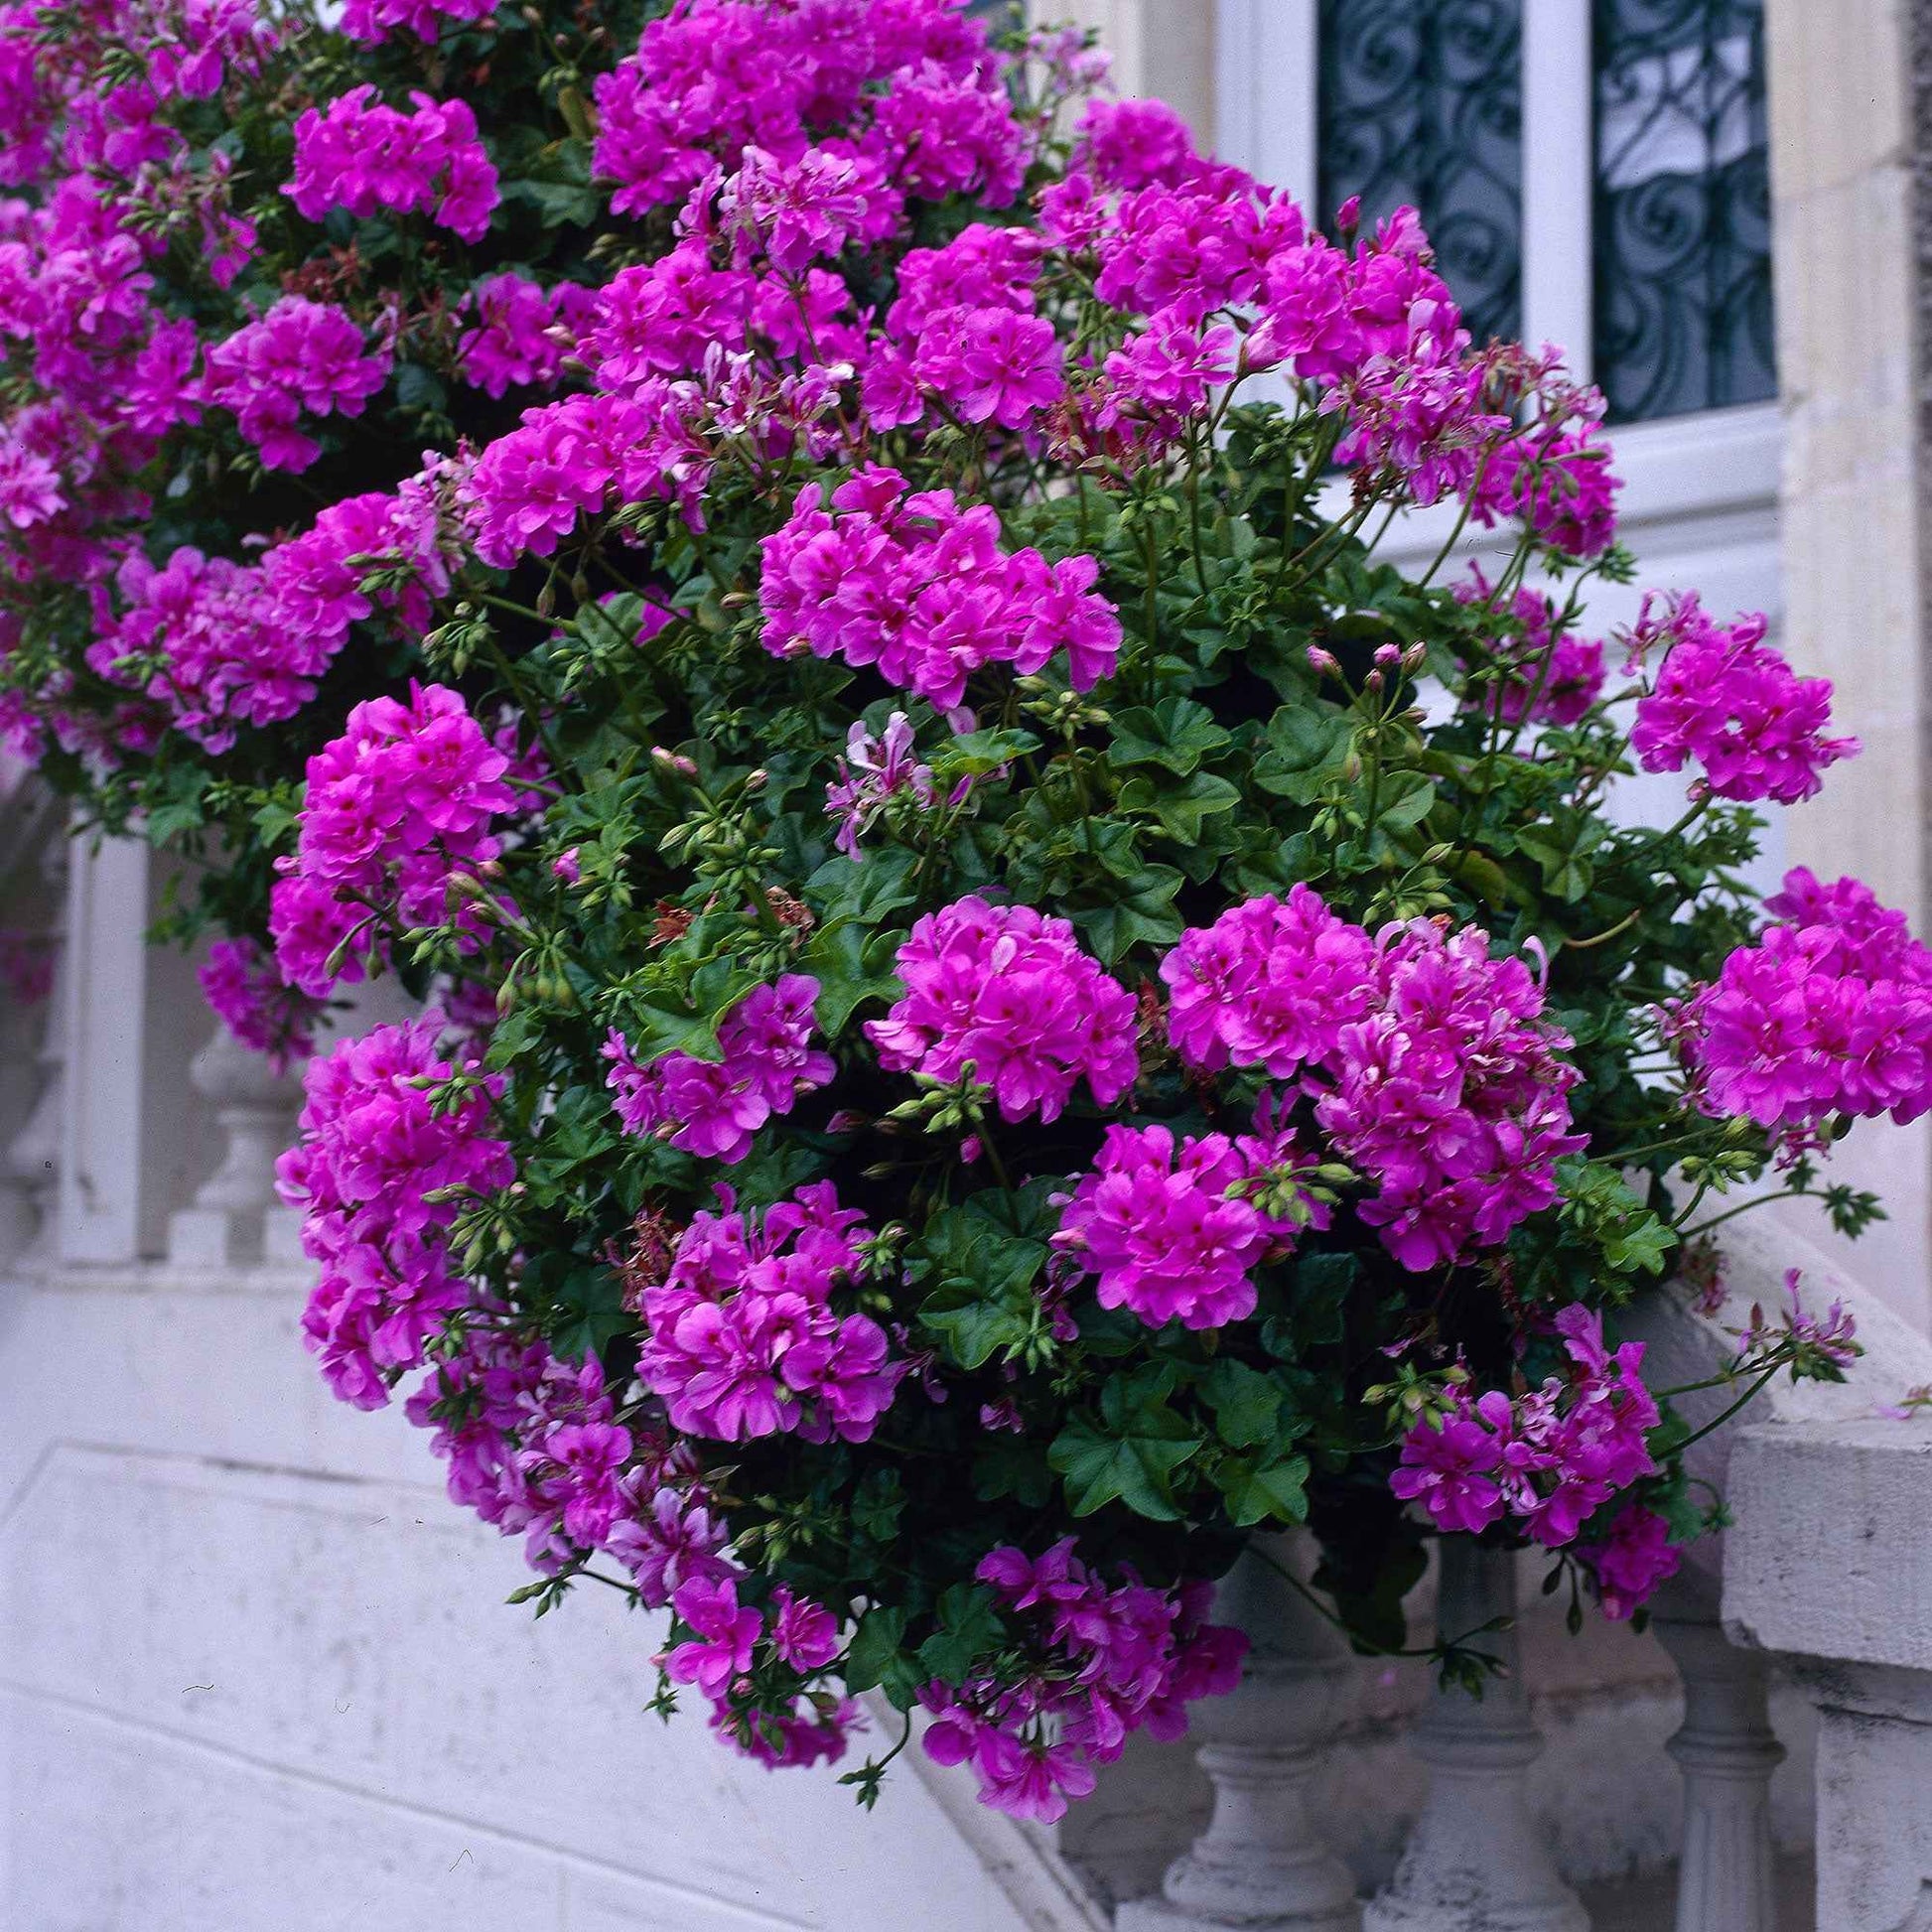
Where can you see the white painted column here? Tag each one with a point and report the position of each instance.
(1476, 1861)
(1727, 1753)
(1260, 1863)
(1265, 104)
(104, 998)
(33, 1156)
(1557, 118)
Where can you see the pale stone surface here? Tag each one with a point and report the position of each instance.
(1846, 297)
(328, 1665)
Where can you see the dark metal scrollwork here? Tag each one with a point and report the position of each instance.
(1683, 237)
(1421, 102)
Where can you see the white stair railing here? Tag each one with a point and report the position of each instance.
(32, 1161)
(1260, 1863)
(236, 1219)
(1476, 1860)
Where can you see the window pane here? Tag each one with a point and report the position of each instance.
(1683, 206)
(1421, 102)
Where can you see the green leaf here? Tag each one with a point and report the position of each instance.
(1246, 1402)
(853, 963)
(876, 1505)
(975, 754)
(874, 1654)
(1130, 1453)
(1259, 1490)
(420, 388)
(1182, 809)
(1177, 732)
(1143, 915)
(982, 1271)
(590, 1301)
(969, 1628)
(1308, 751)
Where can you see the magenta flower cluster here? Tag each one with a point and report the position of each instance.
(913, 82)
(920, 587)
(225, 646)
(1830, 1012)
(1721, 695)
(566, 460)
(1108, 1662)
(1004, 996)
(712, 1108)
(1551, 1459)
(728, 1639)
(402, 799)
(301, 358)
(362, 155)
(1538, 677)
(375, 1148)
(1435, 1072)
(743, 1340)
(246, 994)
(1172, 1229)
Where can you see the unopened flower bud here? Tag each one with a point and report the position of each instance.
(1324, 663)
(1387, 656)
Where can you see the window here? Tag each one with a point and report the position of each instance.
(1592, 172)
(1422, 104)
(1682, 207)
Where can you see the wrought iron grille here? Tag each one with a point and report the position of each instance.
(1683, 237)
(1421, 102)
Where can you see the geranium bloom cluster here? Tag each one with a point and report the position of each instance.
(1171, 1228)
(1724, 697)
(915, 585)
(247, 995)
(719, 76)
(1550, 1458)
(371, 20)
(401, 799)
(877, 768)
(321, 581)
(1004, 996)
(205, 636)
(529, 488)
(1830, 1012)
(522, 333)
(1110, 1662)
(301, 358)
(1538, 679)
(712, 1108)
(364, 156)
(728, 1640)
(1436, 1073)
(376, 1147)
(533, 1447)
(743, 1340)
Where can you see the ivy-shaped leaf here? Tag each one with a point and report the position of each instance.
(1130, 1453)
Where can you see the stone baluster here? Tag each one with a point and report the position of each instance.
(236, 1220)
(1260, 1865)
(33, 1156)
(1727, 1753)
(1476, 1860)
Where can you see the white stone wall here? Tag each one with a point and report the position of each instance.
(258, 1672)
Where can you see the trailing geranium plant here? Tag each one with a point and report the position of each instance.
(1004, 1004)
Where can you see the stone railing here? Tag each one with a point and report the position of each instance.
(135, 1138)
(1825, 1579)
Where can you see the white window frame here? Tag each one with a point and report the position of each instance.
(1700, 488)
